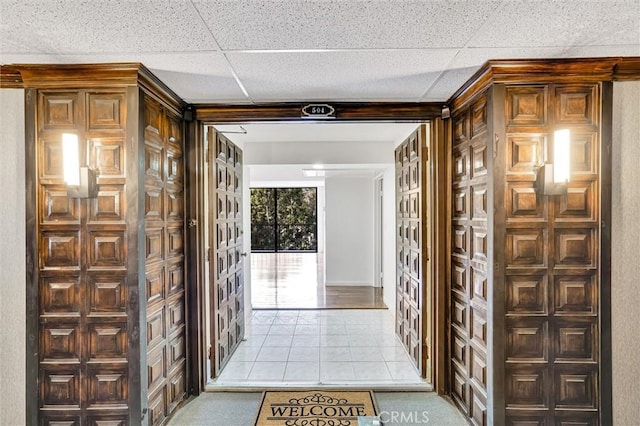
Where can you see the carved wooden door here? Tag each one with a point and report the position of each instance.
(164, 260)
(469, 265)
(226, 253)
(410, 157)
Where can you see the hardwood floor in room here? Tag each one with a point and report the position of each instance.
(296, 281)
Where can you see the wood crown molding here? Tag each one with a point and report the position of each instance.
(524, 71)
(58, 76)
(10, 77)
(345, 111)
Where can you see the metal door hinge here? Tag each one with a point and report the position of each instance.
(209, 254)
(209, 352)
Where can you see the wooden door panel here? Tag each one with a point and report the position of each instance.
(469, 251)
(227, 253)
(552, 340)
(410, 221)
(164, 261)
(85, 320)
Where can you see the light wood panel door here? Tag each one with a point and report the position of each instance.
(411, 257)
(226, 253)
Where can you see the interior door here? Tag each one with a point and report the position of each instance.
(226, 255)
(411, 259)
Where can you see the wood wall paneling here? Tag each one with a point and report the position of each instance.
(470, 238)
(164, 256)
(83, 286)
(88, 261)
(552, 345)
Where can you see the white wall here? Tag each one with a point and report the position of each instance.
(389, 237)
(349, 231)
(625, 288)
(318, 152)
(12, 259)
(246, 238)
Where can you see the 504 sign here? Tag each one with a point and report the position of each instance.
(318, 111)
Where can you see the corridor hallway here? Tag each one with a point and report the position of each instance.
(346, 348)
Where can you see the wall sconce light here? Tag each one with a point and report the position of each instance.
(80, 181)
(553, 178)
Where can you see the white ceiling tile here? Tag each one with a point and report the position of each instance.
(195, 77)
(529, 23)
(475, 57)
(448, 83)
(596, 51)
(339, 24)
(84, 26)
(344, 75)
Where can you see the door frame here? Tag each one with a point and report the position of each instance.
(205, 115)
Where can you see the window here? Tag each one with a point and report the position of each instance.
(284, 219)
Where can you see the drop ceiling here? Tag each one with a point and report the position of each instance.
(274, 51)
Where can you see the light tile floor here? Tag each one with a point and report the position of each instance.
(319, 347)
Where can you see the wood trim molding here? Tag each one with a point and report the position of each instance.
(48, 76)
(471, 88)
(627, 69)
(564, 70)
(379, 111)
(155, 88)
(10, 77)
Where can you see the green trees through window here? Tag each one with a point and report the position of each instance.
(284, 219)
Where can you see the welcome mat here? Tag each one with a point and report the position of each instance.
(315, 408)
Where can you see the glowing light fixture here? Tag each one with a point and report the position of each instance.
(71, 160)
(80, 181)
(553, 177)
(561, 156)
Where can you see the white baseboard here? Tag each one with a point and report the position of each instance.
(347, 283)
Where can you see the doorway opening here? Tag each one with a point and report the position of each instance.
(300, 344)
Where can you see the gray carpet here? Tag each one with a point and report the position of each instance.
(396, 409)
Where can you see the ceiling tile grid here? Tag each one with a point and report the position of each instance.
(243, 51)
(531, 23)
(76, 26)
(351, 75)
(339, 24)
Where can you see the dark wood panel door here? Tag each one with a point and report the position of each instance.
(85, 320)
(470, 239)
(164, 260)
(411, 229)
(552, 274)
(226, 255)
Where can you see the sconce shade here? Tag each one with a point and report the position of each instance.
(70, 159)
(553, 177)
(561, 156)
(81, 181)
